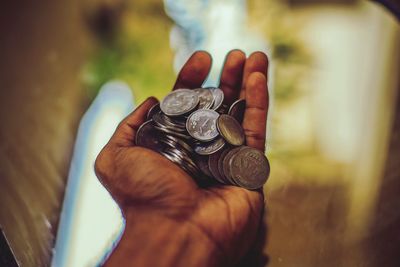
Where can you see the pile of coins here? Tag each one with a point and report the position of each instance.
(198, 132)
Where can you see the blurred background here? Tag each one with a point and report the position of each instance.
(71, 70)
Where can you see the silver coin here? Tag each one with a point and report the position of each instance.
(220, 165)
(181, 123)
(162, 120)
(169, 143)
(179, 102)
(153, 110)
(223, 109)
(185, 161)
(209, 148)
(237, 110)
(172, 124)
(213, 167)
(249, 168)
(202, 125)
(230, 130)
(180, 142)
(170, 157)
(158, 120)
(175, 160)
(226, 164)
(177, 122)
(171, 132)
(178, 153)
(166, 128)
(218, 97)
(183, 156)
(206, 98)
(202, 163)
(147, 136)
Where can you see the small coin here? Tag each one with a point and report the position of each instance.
(218, 95)
(180, 142)
(237, 110)
(213, 167)
(220, 165)
(202, 163)
(182, 154)
(179, 158)
(153, 110)
(147, 136)
(230, 130)
(169, 143)
(226, 165)
(161, 120)
(188, 158)
(210, 147)
(206, 98)
(171, 132)
(249, 168)
(178, 153)
(178, 121)
(223, 109)
(202, 124)
(178, 126)
(174, 121)
(179, 102)
(174, 159)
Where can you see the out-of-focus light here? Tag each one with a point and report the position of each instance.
(91, 221)
(216, 26)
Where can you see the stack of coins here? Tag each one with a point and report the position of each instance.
(198, 132)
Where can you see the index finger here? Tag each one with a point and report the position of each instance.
(195, 71)
(231, 76)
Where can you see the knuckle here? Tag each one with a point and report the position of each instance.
(256, 135)
(257, 110)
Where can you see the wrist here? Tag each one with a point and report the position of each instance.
(155, 240)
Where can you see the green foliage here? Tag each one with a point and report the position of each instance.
(138, 54)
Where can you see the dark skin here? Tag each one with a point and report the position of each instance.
(170, 220)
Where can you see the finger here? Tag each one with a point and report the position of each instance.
(257, 62)
(195, 71)
(255, 115)
(231, 77)
(124, 135)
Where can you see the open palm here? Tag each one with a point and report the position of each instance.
(145, 183)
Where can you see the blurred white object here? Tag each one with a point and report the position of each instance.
(216, 26)
(91, 221)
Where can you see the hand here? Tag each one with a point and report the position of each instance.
(170, 220)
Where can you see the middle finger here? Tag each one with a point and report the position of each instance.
(231, 76)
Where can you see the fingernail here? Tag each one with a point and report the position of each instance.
(237, 49)
(152, 98)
